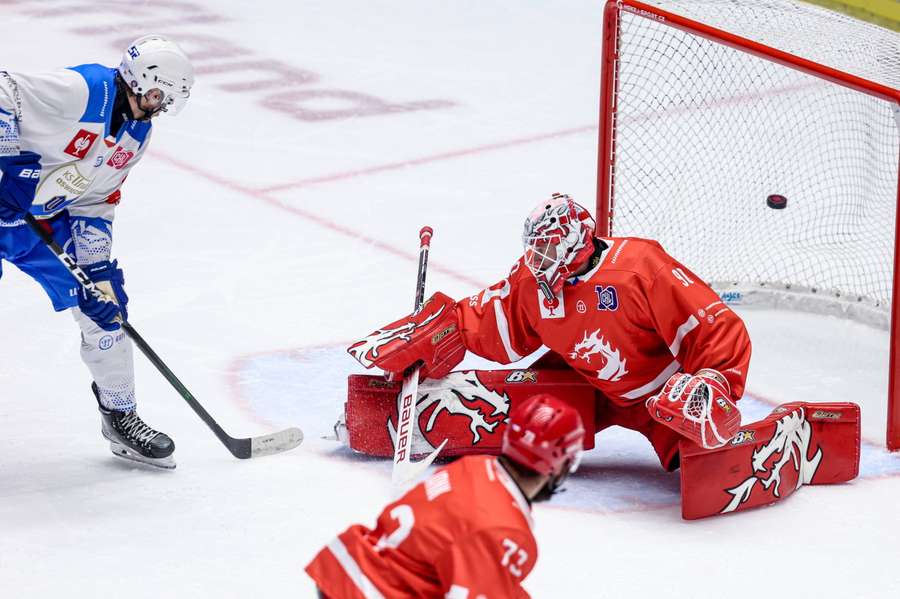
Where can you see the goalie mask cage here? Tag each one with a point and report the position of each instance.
(708, 107)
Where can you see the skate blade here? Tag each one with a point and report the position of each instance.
(340, 433)
(120, 451)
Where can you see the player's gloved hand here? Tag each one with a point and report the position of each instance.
(18, 183)
(430, 338)
(110, 279)
(698, 406)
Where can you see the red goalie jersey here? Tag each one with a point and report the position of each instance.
(464, 533)
(634, 319)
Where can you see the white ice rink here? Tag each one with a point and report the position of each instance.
(274, 221)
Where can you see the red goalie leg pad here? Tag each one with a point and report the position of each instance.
(798, 444)
(468, 408)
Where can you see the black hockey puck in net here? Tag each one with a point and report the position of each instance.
(776, 201)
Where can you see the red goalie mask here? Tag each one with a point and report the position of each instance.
(544, 434)
(558, 241)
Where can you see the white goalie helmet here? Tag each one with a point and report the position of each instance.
(156, 62)
(558, 240)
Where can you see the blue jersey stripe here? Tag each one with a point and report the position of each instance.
(101, 83)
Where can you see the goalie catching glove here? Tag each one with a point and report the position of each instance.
(429, 338)
(698, 406)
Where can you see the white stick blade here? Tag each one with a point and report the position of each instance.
(276, 442)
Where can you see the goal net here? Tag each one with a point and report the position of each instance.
(758, 141)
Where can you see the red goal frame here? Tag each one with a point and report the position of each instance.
(607, 143)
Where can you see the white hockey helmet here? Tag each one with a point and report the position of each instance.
(156, 62)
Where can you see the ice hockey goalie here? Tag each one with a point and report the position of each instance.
(636, 339)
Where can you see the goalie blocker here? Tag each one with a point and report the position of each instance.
(798, 443)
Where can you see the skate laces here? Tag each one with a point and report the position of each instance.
(136, 429)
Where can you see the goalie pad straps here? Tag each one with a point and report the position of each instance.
(430, 337)
(697, 406)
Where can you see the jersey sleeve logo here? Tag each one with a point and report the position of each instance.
(81, 144)
(120, 158)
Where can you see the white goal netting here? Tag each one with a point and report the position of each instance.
(704, 133)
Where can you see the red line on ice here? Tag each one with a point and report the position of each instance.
(392, 166)
(317, 219)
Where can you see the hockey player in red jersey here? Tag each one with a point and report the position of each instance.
(668, 357)
(465, 532)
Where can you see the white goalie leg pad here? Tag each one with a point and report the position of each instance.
(109, 355)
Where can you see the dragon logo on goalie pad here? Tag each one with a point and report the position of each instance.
(790, 444)
(366, 350)
(457, 394)
(613, 367)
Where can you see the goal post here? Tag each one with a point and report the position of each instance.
(776, 122)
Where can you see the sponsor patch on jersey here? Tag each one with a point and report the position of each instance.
(81, 144)
(65, 181)
(607, 298)
(554, 308)
(120, 158)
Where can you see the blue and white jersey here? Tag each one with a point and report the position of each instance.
(65, 116)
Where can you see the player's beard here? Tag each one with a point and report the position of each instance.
(553, 485)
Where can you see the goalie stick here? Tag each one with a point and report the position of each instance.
(404, 468)
(251, 447)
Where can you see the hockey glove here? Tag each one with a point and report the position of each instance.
(111, 281)
(430, 338)
(697, 406)
(18, 184)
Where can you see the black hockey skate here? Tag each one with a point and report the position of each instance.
(130, 438)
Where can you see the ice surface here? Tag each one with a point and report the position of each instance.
(256, 244)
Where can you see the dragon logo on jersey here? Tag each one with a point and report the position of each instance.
(458, 394)
(790, 444)
(366, 350)
(614, 365)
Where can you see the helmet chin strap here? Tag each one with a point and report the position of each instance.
(148, 114)
(545, 288)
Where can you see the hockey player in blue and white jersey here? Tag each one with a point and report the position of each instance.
(68, 139)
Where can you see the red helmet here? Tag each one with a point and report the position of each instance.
(544, 434)
(558, 240)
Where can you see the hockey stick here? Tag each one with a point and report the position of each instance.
(404, 468)
(251, 447)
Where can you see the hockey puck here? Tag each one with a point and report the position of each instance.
(776, 201)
